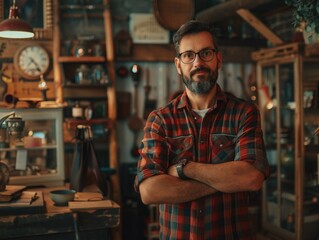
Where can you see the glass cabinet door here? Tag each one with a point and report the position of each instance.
(288, 98)
(278, 110)
(310, 150)
(36, 157)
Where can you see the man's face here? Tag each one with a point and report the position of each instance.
(199, 76)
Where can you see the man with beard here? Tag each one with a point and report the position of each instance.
(203, 153)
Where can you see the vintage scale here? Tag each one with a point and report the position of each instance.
(14, 126)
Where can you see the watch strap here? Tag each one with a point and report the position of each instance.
(179, 169)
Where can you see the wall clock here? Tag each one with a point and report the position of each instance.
(31, 61)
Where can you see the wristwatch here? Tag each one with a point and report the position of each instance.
(179, 168)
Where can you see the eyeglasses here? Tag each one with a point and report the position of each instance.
(206, 55)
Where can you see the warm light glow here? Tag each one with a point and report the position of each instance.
(270, 105)
(264, 98)
(16, 34)
(42, 84)
(14, 27)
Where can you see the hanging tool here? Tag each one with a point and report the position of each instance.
(149, 104)
(135, 123)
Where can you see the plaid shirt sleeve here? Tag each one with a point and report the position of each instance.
(153, 150)
(250, 144)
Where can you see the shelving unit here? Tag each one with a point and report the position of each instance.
(44, 164)
(288, 83)
(65, 65)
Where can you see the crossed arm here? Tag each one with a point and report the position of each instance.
(205, 179)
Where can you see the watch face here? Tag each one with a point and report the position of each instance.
(183, 162)
(32, 61)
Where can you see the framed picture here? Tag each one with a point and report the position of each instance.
(38, 13)
(310, 95)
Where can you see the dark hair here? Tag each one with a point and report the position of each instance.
(191, 27)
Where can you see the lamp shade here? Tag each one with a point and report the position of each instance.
(14, 27)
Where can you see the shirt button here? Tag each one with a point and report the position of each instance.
(200, 211)
(195, 118)
(220, 145)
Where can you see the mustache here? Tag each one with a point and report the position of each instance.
(200, 69)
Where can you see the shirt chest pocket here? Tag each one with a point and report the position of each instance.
(179, 148)
(223, 148)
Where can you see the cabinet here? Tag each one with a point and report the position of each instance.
(83, 37)
(43, 163)
(288, 83)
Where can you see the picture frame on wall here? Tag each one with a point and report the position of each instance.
(38, 13)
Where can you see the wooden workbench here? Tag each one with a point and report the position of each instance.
(59, 222)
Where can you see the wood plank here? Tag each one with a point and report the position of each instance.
(227, 9)
(28, 203)
(90, 205)
(70, 59)
(275, 52)
(30, 90)
(11, 191)
(259, 26)
(111, 94)
(56, 53)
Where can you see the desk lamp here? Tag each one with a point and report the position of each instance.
(14, 125)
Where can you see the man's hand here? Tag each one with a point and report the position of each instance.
(172, 171)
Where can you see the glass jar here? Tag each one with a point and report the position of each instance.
(98, 74)
(83, 75)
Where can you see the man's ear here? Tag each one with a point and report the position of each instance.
(178, 65)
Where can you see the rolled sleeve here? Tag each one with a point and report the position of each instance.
(153, 151)
(250, 145)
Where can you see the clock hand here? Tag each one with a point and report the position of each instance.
(35, 63)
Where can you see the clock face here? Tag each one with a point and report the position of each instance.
(4, 175)
(32, 61)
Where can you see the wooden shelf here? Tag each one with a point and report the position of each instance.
(75, 85)
(86, 59)
(72, 122)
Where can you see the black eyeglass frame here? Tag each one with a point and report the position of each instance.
(215, 50)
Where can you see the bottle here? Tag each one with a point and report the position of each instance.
(82, 75)
(77, 111)
(98, 74)
(88, 112)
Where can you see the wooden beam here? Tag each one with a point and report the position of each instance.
(259, 26)
(228, 9)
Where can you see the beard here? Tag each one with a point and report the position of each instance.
(205, 83)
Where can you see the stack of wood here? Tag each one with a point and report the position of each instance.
(15, 199)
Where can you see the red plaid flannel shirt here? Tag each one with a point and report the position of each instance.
(230, 131)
